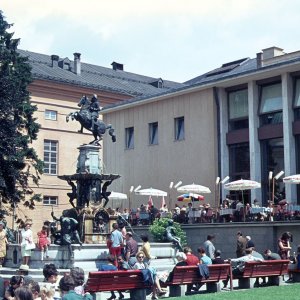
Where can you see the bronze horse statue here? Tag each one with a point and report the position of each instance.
(84, 117)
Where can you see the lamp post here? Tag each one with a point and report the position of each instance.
(172, 186)
(217, 192)
(224, 180)
(270, 184)
(129, 197)
(276, 177)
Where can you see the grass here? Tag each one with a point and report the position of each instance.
(289, 292)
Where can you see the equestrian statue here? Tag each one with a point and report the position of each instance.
(88, 117)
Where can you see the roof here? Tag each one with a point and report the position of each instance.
(231, 70)
(94, 76)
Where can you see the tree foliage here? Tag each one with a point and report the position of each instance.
(19, 163)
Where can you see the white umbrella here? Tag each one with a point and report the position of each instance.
(151, 192)
(293, 179)
(117, 196)
(242, 185)
(194, 188)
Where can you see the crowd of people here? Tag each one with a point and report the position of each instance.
(68, 286)
(193, 212)
(125, 254)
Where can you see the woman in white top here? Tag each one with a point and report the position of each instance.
(27, 243)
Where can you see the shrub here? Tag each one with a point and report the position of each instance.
(158, 230)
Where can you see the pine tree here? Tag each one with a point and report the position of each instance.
(19, 163)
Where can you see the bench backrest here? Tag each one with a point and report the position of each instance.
(190, 274)
(114, 281)
(266, 268)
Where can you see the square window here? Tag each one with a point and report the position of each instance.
(179, 128)
(129, 138)
(153, 133)
(50, 200)
(50, 115)
(271, 98)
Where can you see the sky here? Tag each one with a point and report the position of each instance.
(170, 39)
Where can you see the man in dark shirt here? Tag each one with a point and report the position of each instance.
(218, 260)
(131, 249)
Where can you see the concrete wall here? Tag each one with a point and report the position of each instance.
(264, 235)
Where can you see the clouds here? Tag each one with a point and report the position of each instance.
(172, 39)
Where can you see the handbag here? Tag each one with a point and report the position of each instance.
(30, 246)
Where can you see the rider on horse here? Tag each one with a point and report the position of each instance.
(94, 109)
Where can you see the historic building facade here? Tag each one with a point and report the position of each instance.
(58, 85)
(240, 120)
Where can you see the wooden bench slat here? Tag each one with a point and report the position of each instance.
(265, 268)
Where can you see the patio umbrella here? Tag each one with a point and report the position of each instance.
(190, 197)
(194, 188)
(151, 192)
(293, 179)
(242, 185)
(117, 196)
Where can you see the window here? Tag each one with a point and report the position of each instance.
(238, 109)
(272, 151)
(50, 200)
(153, 133)
(179, 129)
(271, 104)
(297, 99)
(50, 115)
(129, 138)
(239, 168)
(50, 157)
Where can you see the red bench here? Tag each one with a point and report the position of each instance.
(117, 281)
(267, 268)
(184, 275)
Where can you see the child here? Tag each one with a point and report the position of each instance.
(27, 243)
(43, 242)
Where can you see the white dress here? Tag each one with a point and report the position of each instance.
(27, 241)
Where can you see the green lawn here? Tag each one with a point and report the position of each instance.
(288, 292)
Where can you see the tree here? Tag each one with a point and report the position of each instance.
(19, 163)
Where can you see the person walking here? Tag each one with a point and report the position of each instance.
(116, 240)
(240, 244)
(209, 246)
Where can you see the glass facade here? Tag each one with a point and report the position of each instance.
(239, 167)
(271, 104)
(272, 159)
(238, 109)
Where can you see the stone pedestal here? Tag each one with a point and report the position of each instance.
(89, 160)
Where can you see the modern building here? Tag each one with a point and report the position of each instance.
(58, 85)
(241, 119)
